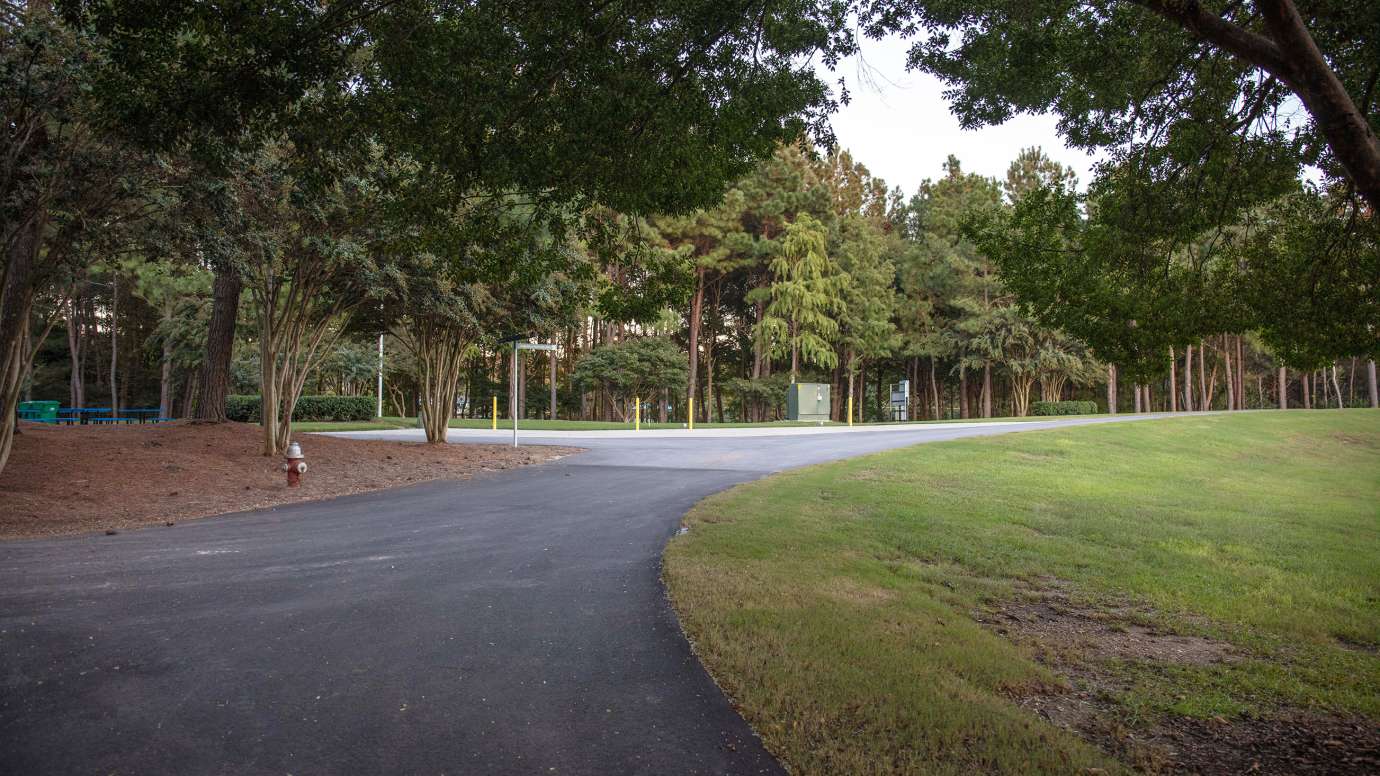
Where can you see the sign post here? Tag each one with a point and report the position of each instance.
(518, 347)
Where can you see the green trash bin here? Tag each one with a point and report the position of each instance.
(42, 411)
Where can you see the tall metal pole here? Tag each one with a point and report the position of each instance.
(512, 406)
(114, 351)
(379, 413)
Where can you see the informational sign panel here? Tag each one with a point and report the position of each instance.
(900, 400)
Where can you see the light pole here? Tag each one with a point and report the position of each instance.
(512, 406)
(379, 413)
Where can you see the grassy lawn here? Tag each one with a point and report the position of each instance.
(1048, 601)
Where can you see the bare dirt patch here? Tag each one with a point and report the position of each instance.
(1297, 744)
(78, 479)
(1061, 629)
(1080, 643)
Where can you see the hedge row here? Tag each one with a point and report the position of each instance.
(1063, 408)
(246, 408)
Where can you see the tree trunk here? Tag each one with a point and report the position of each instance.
(1306, 379)
(16, 302)
(708, 396)
(114, 345)
(1290, 54)
(1020, 394)
(848, 375)
(1283, 385)
(879, 389)
(76, 349)
(165, 381)
(1307, 72)
(986, 389)
(962, 392)
(1204, 399)
(553, 385)
(189, 394)
(1351, 381)
(1231, 378)
(214, 379)
(934, 390)
(1111, 389)
(1371, 385)
(1135, 392)
(696, 305)
(1240, 372)
(1189, 404)
(1173, 383)
(268, 387)
(1335, 387)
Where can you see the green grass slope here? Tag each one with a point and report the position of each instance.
(849, 608)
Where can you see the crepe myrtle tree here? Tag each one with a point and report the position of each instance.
(311, 253)
(497, 267)
(639, 367)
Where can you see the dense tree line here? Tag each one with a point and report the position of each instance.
(199, 198)
(813, 269)
(416, 167)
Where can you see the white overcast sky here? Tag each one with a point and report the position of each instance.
(900, 126)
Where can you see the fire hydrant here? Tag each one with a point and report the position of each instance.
(295, 465)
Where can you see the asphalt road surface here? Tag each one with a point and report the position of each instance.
(510, 624)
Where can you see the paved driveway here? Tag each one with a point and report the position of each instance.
(511, 624)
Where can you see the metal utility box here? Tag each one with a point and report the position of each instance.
(807, 401)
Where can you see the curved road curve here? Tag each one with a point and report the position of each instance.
(510, 624)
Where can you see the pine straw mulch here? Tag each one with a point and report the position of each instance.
(79, 479)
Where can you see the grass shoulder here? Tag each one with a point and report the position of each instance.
(1022, 603)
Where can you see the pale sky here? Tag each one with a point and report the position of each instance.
(900, 126)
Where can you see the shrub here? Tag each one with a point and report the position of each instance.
(246, 408)
(1063, 408)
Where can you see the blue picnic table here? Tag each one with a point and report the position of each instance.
(93, 415)
(82, 415)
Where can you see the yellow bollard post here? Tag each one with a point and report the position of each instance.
(637, 413)
(850, 410)
(690, 416)
(493, 425)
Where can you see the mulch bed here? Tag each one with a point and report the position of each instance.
(79, 479)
